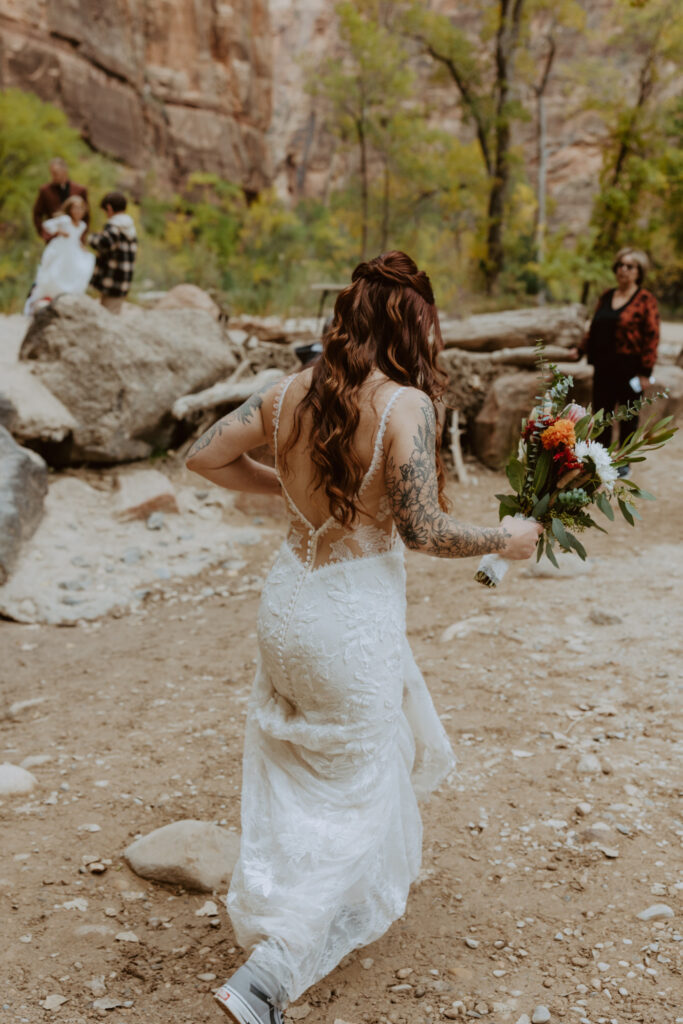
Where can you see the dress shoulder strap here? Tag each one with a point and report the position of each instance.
(276, 418)
(379, 438)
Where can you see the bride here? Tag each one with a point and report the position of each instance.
(342, 736)
(65, 266)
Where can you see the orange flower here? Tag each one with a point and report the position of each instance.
(559, 433)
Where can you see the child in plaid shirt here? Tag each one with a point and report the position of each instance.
(116, 247)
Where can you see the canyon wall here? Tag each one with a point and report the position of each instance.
(221, 85)
(177, 85)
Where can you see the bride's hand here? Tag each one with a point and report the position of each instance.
(523, 536)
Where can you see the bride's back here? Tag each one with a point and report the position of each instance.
(314, 535)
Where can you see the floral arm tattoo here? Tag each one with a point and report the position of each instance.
(413, 492)
(244, 415)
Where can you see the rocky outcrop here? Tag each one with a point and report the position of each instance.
(184, 86)
(23, 485)
(118, 376)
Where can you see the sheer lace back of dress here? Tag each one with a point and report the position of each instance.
(373, 533)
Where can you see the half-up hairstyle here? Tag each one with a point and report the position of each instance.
(386, 318)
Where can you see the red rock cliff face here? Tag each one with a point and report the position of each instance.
(181, 85)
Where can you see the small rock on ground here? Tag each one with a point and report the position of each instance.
(656, 912)
(15, 780)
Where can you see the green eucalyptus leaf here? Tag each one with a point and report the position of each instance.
(550, 553)
(604, 505)
(577, 545)
(541, 506)
(625, 511)
(560, 533)
(590, 522)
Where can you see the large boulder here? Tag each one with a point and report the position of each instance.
(118, 376)
(8, 412)
(509, 401)
(195, 854)
(23, 486)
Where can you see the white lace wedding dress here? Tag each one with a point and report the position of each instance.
(342, 737)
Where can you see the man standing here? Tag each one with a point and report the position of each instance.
(116, 247)
(51, 196)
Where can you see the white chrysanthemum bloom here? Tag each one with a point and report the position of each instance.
(599, 456)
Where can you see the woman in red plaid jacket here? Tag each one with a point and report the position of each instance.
(622, 339)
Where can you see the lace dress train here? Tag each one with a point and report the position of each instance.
(342, 738)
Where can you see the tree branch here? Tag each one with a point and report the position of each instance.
(471, 102)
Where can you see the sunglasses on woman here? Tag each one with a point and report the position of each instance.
(627, 266)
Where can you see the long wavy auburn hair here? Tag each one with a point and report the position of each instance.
(385, 319)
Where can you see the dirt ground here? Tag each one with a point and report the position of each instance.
(556, 692)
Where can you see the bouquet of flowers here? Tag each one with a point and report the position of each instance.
(560, 472)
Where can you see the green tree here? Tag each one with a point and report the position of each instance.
(484, 77)
(365, 89)
(640, 153)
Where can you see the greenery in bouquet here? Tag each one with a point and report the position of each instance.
(561, 473)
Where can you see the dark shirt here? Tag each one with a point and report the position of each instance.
(635, 337)
(49, 199)
(602, 345)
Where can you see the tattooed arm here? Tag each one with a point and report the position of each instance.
(220, 453)
(412, 489)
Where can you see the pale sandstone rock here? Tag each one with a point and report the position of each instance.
(195, 854)
(8, 412)
(657, 912)
(670, 379)
(119, 375)
(15, 781)
(144, 491)
(189, 296)
(23, 486)
(53, 1002)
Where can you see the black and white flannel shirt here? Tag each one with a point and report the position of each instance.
(116, 247)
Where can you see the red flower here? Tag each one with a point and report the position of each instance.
(537, 426)
(565, 460)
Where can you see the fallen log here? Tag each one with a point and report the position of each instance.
(527, 357)
(226, 392)
(516, 328)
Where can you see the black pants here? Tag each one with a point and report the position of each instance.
(611, 388)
